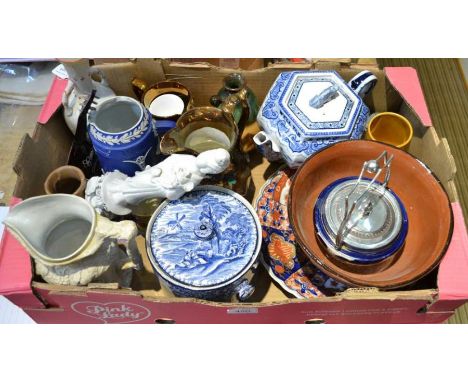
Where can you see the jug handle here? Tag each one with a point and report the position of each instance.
(229, 106)
(139, 87)
(125, 233)
(68, 108)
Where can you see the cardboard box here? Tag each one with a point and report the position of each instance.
(431, 300)
(232, 63)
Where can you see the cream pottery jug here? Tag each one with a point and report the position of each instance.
(72, 244)
(79, 88)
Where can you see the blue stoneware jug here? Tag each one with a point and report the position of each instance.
(122, 132)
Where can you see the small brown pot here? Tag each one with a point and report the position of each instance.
(66, 180)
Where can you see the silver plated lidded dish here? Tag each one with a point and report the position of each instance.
(359, 218)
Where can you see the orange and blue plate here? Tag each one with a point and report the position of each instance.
(282, 258)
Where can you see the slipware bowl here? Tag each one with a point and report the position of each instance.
(430, 216)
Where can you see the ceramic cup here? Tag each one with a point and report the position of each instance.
(390, 128)
(166, 101)
(66, 180)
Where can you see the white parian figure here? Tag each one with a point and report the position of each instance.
(116, 193)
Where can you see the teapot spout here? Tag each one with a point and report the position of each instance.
(267, 146)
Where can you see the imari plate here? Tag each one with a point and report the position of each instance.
(282, 258)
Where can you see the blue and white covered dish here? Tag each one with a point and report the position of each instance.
(206, 244)
(305, 111)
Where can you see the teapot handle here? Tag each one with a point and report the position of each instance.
(363, 83)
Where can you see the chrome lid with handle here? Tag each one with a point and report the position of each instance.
(360, 218)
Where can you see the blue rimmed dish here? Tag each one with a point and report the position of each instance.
(374, 237)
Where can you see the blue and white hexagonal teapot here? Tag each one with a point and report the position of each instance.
(305, 111)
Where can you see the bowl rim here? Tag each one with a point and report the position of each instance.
(350, 281)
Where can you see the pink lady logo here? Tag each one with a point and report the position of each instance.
(112, 312)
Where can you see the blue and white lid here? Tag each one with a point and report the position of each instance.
(320, 104)
(305, 111)
(208, 238)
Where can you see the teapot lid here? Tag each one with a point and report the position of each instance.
(207, 238)
(320, 104)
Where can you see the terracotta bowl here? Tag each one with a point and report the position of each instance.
(427, 204)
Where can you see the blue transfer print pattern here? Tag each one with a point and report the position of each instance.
(204, 239)
(268, 108)
(295, 146)
(306, 148)
(312, 129)
(224, 293)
